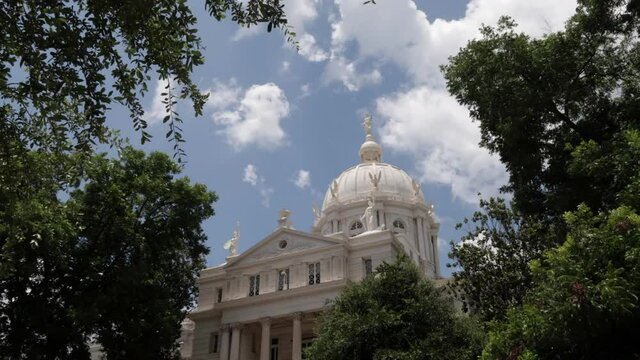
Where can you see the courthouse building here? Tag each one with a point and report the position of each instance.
(263, 304)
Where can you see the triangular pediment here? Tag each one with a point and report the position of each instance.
(282, 242)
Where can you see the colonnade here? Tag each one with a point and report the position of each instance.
(231, 334)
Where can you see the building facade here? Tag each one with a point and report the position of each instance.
(263, 304)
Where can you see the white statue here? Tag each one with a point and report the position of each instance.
(416, 187)
(334, 189)
(317, 213)
(367, 124)
(232, 244)
(283, 218)
(368, 218)
(375, 179)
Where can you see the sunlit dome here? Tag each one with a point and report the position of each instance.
(372, 176)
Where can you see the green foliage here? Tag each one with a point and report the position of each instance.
(585, 302)
(63, 64)
(561, 112)
(493, 259)
(537, 99)
(117, 261)
(395, 314)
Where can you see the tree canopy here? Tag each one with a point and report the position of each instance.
(560, 111)
(394, 314)
(116, 262)
(63, 64)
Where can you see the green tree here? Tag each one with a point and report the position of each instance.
(394, 314)
(494, 257)
(63, 64)
(559, 111)
(117, 261)
(585, 302)
(537, 99)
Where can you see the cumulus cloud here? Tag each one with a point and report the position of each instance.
(251, 117)
(339, 69)
(303, 179)
(252, 178)
(423, 120)
(223, 95)
(430, 125)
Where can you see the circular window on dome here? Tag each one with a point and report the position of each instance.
(282, 244)
(398, 227)
(356, 228)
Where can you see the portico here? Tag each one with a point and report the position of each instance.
(278, 338)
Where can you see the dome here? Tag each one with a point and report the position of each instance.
(357, 183)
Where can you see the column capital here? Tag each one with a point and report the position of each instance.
(265, 321)
(237, 326)
(297, 315)
(224, 327)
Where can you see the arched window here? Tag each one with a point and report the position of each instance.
(398, 227)
(356, 228)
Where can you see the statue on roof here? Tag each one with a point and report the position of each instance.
(232, 244)
(283, 218)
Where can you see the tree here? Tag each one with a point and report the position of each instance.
(494, 257)
(585, 302)
(560, 111)
(395, 314)
(537, 99)
(63, 64)
(116, 262)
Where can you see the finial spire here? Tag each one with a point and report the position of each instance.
(370, 151)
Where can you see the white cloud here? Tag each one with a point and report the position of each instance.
(424, 121)
(223, 95)
(250, 175)
(351, 78)
(255, 118)
(303, 179)
(158, 110)
(419, 46)
(305, 90)
(258, 182)
(430, 125)
(285, 66)
(309, 49)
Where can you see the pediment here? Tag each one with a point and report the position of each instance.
(282, 242)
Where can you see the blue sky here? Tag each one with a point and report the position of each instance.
(281, 125)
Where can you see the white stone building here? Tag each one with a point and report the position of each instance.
(262, 304)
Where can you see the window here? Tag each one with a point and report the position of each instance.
(219, 295)
(283, 279)
(254, 285)
(274, 349)
(213, 343)
(398, 227)
(314, 273)
(368, 267)
(306, 343)
(356, 228)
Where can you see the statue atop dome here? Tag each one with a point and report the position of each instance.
(368, 126)
(370, 151)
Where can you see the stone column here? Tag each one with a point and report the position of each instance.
(296, 350)
(235, 341)
(224, 344)
(265, 339)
